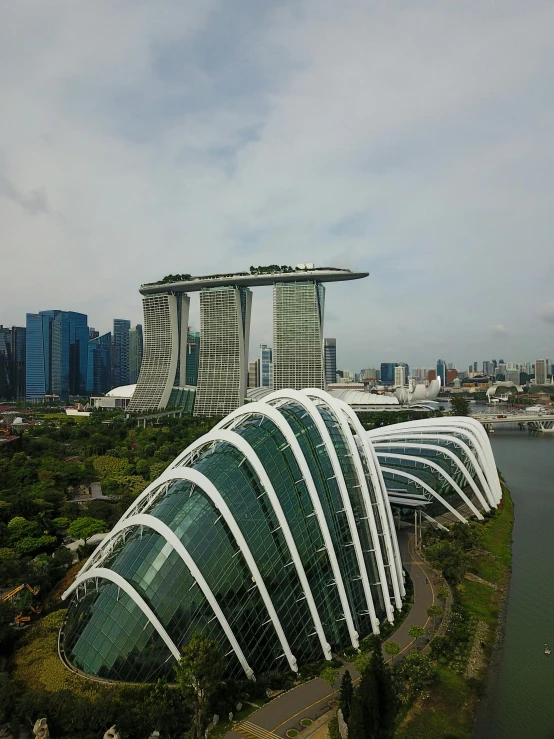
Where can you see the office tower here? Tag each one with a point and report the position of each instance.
(540, 372)
(135, 352)
(475, 366)
(56, 354)
(431, 375)
(99, 367)
(193, 357)
(470, 369)
(165, 332)
(92, 333)
(441, 371)
(254, 373)
(488, 368)
(513, 376)
(387, 372)
(330, 358)
(298, 335)
(266, 366)
(12, 363)
(120, 352)
(399, 376)
(223, 368)
(69, 354)
(451, 375)
(548, 366)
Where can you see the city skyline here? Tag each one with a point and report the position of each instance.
(194, 144)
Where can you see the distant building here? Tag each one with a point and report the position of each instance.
(56, 354)
(12, 363)
(99, 367)
(451, 375)
(298, 335)
(330, 360)
(120, 352)
(431, 375)
(193, 356)
(92, 333)
(254, 373)
(513, 376)
(399, 376)
(387, 372)
(266, 366)
(541, 372)
(136, 346)
(441, 371)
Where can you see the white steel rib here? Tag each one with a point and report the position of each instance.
(231, 437)
(102, 573)
(304, 401)
(429, 463)
(338, 414)
(383, 506)
(151, 522)
(414, 478)
(263, 409)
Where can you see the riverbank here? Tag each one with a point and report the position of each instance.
(449, 706)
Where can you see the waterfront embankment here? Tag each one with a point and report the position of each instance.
(480, 580)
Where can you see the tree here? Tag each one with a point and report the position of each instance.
(345, 694)
(392, 648)
(85, 527)
(330, 674)
(198, 675)
(364, 711)
(459, 405)
(434, 611)
(416, 632)
(387, 699)
(442, 594)
(418, 669)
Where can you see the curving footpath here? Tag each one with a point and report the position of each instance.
(311, 699)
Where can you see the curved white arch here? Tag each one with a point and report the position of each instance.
(151, 522)
(383, 505)
(103, 573)
(429, 489)
(273, 414)
(469, 426)
(451, 440)
(369, 512)
(209, 489)
(304, 401)
(439, 469)
(441, 450)
(231, 437)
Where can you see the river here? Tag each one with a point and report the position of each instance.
(520, 697)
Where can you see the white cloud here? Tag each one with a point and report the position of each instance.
(197, 135)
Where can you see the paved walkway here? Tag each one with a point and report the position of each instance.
(311, 699)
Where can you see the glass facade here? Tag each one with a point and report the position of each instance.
(99, 367)
(330, 360)
(12, 362)
(120, 352)
(193, 355)
(258, 535)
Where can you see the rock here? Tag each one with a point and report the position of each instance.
(343, 728)
(40, 729)
(111, 733)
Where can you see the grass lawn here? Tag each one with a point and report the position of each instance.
(480, 601)
(448, 712)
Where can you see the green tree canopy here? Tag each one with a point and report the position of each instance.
(392, 648)
(329, 674)
(345, 694)
(198, 675)
(459, 405)
(85, 527)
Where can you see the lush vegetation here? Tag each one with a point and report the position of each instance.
(459, 405)
(374, 419)
(480, 552)
(44, 504)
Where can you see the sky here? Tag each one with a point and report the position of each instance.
(413, 141)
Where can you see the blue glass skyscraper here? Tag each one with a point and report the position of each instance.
(266, 366)
(441, 371)
(56, 354)
(193, 355)
(120, 352)
(99, 368)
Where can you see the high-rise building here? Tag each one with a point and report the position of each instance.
(512, 376)
(266, 366)
(399, 376)
(12, 363)
(99, 368)
(223, 368)
(431, 375)
(136, 345)
(56, 354)
(254, 373)
(193, 357)
(92, 333)
(387, 372)
(298, 335)
(441, 371)
(120, 352)
(540, 372)
(330, 358)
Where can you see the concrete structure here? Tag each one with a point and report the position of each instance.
(223, 368)
(399, 376)
(541, 372)
(225, 324)
(266, 366)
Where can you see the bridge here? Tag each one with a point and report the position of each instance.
(532, 421)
